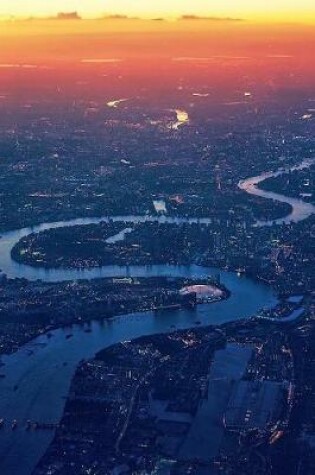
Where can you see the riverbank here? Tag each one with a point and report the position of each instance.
(29, 309)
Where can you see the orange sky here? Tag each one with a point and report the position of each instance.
(279, 10)
(50, 40)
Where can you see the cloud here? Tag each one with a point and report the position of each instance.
(209, 18)
(68, 16)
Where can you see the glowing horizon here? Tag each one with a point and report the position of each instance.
(279, 10)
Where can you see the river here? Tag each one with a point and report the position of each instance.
(300, 209)
(41, 380)
(38, 375)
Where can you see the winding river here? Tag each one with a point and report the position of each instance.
(38, 375)
(299, 209)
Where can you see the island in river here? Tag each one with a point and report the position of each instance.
(116, 243)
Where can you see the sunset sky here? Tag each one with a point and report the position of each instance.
(279, 10)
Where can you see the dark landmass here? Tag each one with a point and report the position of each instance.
(75, 246)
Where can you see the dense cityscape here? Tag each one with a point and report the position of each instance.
(157, 224)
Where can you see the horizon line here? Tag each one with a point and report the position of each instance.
(74, 17)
